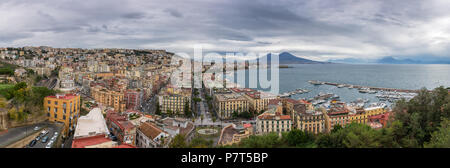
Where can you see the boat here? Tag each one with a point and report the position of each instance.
(372, 91)
(364, 90)
(315, 82)
(340, 86)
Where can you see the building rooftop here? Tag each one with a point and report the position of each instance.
(150, 130)
(91, 124)
(273, 116)
(64, 96)
(230, 96)
(90, 141)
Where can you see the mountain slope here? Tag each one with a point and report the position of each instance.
(288, 58)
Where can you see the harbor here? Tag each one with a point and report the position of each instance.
(294, 92)
(365, 89)
(387, 95)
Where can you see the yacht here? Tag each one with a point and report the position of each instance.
(364, 90)
(314, 82)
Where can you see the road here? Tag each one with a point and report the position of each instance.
(51, 131)
(207, 116)
(15, 134)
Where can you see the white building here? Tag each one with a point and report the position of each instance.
(150, 136)
(91, 124)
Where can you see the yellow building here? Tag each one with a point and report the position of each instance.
(310, 121)
(375, 110)
(63, 108)
(258, 101)
(358, 116)
(109, 97)
(174, 103)
(228, 103)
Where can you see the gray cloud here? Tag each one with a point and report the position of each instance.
(174, 13)
(134, 15)
(318, 29)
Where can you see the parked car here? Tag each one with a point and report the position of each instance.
(49, 145)
(38, 138)
(55, 134)
(45, 139)
(44, 132)
(32, 143)
(36, 128)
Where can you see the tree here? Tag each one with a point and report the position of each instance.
(187, 110)
(158, 110)
(271, 140)
(441, 137)
(169, 113)
(235, 115)
(196, 100)
(420, 117)
(3, 102)
(299, 138)
(201, 118)
(245, 115)
(178, 142)
(199, 142)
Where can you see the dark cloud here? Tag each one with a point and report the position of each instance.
(323, 28)
(134, 15)
(174, 13)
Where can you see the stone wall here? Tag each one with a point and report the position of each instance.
(23, 142)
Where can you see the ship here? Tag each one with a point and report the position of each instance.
(315, 82)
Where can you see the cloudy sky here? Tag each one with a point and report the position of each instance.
(316, 29)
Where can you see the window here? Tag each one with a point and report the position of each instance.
(56, 102)
(64, 117)
(48, 109)
(55, 109)
(56, 116)
(49, 102)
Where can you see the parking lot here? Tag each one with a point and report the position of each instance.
(51, 131)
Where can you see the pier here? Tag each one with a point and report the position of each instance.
(371, 88)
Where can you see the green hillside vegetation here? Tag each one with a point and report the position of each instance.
(23, 100)
(7, 69)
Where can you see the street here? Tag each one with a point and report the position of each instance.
(15, 134)
(51, 131)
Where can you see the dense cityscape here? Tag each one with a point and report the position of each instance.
(132, 98)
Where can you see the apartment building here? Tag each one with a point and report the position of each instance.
(124, 130)
(272, 121)
(107, 97)
(258, 101)
(174, 100)
(310, 121)
(149, 135)
(226, 104)
(133, 99)
(64, 108)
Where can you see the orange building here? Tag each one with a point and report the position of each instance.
(64, 108)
